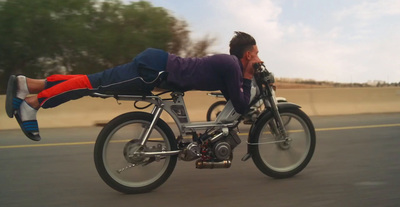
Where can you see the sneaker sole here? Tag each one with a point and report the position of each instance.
(11, 94)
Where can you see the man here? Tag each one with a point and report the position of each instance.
(231, 74)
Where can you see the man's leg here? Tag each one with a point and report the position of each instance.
(36, 86)
(57, 79)
(61, 91)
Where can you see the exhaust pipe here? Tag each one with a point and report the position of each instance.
(201, 164)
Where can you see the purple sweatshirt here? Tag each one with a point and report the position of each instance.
(218, 72)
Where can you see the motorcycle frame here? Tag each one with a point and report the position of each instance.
(176, 108)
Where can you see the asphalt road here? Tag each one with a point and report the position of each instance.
(356, 163)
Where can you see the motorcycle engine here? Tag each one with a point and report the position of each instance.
(217, 147)
(222, 148)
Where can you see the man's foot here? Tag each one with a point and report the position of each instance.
(26, 117)
(17, 90)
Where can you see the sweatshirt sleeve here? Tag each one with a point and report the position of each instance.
(238, 90)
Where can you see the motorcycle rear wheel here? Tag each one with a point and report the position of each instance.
(276, 157)
(114, 148)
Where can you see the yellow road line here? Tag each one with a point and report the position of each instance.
(241, 134)
(347, 128)
(357, 127)
(45, 145)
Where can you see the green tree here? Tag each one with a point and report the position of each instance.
(41, 37)
(33, 32)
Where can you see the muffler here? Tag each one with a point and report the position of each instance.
(201, 164)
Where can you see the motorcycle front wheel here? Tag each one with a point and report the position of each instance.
(114, 153)
(280, 157)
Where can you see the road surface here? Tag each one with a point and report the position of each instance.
(356, 163)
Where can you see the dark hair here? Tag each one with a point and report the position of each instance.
(240, 43)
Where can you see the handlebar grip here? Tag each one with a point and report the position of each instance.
(257, 65)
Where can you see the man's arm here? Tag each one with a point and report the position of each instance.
(238, 89)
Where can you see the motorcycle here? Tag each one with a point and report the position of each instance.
(136, 152)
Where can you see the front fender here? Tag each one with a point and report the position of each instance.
(287, 105)
(264, 115)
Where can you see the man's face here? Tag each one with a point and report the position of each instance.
(252, 55)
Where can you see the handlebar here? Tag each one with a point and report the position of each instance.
(257, 65)
(262, 74)
(260, 68)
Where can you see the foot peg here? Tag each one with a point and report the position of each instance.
(246, 157)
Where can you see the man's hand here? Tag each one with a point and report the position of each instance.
(251, 57)
(249, 70)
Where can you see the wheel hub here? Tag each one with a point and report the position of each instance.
(130, 152)
(285, 145)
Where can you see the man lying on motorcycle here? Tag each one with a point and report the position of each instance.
(231, 74)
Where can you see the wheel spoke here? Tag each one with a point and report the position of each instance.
(125, 168)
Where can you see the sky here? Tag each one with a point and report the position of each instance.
(344, 41)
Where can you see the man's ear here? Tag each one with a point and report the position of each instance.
(247, 55)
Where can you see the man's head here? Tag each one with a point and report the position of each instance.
(240, 43)
(244, 47)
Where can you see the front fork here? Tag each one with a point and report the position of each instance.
(278, 125)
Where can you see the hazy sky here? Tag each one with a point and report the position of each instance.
(332, 40)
